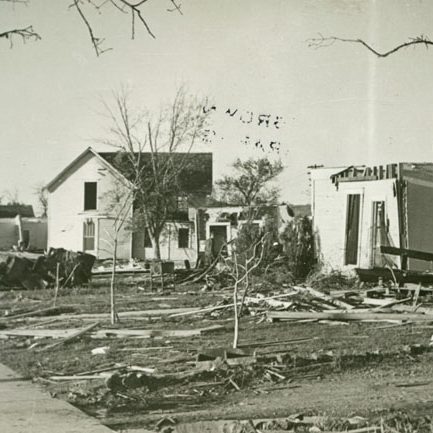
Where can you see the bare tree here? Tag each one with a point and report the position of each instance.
(148, 152)
(119, 201)
(241, 271)
(322, 41)
(133, 9)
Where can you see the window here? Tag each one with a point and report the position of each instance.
(183, 238)
(147, 240)
(26, 238)
(182, 203)
(352, 228)
(89, 195)
(89, 236)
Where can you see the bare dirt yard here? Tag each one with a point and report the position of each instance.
(165, 366)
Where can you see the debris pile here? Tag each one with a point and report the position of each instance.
(58, 266)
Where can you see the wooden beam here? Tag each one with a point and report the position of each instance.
(414, 254)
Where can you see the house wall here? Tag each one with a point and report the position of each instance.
(329, 210)
(66, 214)
(38, 232)
(8, 233)
(169, 245)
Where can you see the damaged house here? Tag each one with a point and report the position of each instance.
(80, 218)
(374, 217)
(223, 223)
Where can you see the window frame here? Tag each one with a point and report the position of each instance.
(87, 199)
(87, 236)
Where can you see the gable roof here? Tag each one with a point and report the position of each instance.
(12, 210)
(195, 178)
(60, 178)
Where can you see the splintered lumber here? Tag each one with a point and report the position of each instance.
(391, 304)
(285, 315)
(221, 307)
(71, 337)
(325, 297)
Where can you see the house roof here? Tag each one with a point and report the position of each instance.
(89, 152)
(12, 210)
(195, 178)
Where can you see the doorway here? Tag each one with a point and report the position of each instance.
(219, 235)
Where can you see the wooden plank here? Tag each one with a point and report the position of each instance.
(39, 333)
(71, 337)
(284, 315)
(149, 333)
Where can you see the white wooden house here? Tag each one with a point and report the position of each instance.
(80, 213)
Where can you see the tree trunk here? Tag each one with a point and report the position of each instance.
(113, 313)
(235, 308)
(156, 247)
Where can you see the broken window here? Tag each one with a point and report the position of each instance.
(183, 238)
(352, 228)
(89, 236)
(147, 239)
(90, 195)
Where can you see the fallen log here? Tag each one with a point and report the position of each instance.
(284, 315)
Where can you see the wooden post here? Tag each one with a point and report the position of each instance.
(56, 288)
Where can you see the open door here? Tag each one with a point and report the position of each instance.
(352, 228)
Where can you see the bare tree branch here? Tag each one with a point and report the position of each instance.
(134, 8)
(96, 42)
(322, 42)
(176, 7)
(26, 33)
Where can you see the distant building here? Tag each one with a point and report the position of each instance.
(358, 209)
(20, 227)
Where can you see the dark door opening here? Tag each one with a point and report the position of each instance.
(219, 235)
(352, 228)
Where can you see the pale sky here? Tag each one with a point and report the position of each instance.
(340, 105)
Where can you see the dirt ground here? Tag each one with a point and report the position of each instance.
(375, 370)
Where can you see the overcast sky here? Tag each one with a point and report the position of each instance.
(337, 105)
